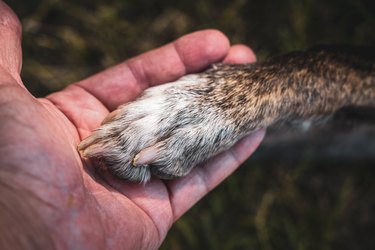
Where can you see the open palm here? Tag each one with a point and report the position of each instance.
(84, 208)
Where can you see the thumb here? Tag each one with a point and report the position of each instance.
(10, 42)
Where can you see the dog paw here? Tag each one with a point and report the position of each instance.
(166, 132)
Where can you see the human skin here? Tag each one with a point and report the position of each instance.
(50, 197)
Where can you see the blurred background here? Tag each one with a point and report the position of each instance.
(310, 189)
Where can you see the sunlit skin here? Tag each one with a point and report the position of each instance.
(87, 209)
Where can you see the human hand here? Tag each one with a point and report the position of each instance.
(49, 196)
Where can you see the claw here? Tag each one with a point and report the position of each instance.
(86, 143)
(147, 156)
(110, 116)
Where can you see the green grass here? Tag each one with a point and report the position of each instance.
(268, 203)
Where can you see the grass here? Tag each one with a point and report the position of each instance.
(270, 202)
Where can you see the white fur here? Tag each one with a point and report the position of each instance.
(168, 112)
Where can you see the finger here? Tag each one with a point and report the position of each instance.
(10, 42)
(240, 53)
(122, 83)
(126, 81)
(185, 192)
